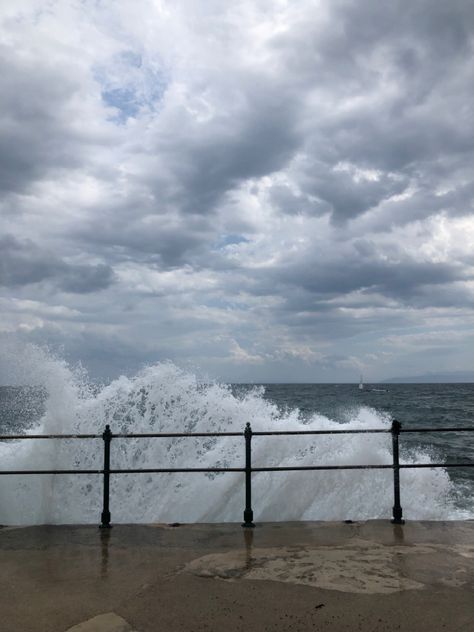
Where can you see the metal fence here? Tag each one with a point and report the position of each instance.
(107, 436)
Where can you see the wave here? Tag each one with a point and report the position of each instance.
(165, 398)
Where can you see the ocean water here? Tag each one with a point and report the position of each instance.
(164, 398)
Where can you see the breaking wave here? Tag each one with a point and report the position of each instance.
(164, 398)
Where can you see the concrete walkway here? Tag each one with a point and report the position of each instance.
(370, 576)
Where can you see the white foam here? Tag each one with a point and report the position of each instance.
(163, 398)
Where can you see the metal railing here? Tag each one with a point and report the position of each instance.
(248, 434)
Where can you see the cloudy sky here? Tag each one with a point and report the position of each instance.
(263, 190)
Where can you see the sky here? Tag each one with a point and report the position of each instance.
(256, 190)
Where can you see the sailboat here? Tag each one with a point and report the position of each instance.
(361, 384)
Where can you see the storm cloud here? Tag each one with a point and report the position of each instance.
(260, 190)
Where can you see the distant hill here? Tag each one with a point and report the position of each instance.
(427, 378)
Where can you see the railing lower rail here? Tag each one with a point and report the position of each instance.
(248, 434)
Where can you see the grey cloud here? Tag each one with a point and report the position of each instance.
(82, 279)
(315, 281)
(167, 240)
(416, 43)
(423, 203)
(24, 263)
(207, 160)
(346, 194)
(290, 202)
(402, 143)
(190, 167)
(405, 71)
(179, 223)
(36, 132)
(399, 280)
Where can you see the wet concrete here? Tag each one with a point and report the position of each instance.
(371, 576)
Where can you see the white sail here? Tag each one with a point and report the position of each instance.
(361, 384)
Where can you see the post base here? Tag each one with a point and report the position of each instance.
(397, 516)
(105, 520)
(248, 519)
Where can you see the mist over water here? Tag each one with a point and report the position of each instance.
(164, 398)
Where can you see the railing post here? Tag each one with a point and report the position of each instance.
(248, 512)
(105, 518)
(397, 509)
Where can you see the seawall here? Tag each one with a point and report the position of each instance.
(213, 577)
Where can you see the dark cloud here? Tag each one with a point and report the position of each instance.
(24, 263)
(395, 279)
(83, 279)
(323, 288)
(392, 85)
(402, 280)
(346, 193)
(36, 134)
(164, 240)
(254, 132)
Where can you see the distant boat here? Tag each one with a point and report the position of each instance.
(361, 384)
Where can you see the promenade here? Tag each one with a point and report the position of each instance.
(370, 576)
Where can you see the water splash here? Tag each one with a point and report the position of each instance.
(164, 398)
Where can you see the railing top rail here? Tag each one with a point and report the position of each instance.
(359, 431)
(444, 429)
(289, 468)
(255, 433)
(51, 436)
(265, 433)
(135, 435)
(123, 435)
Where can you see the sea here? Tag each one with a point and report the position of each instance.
(166, 398)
